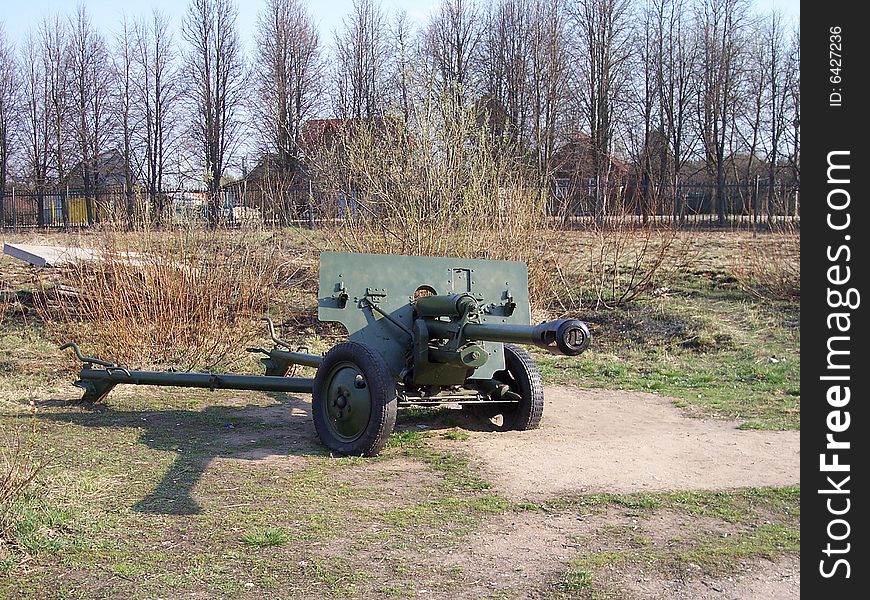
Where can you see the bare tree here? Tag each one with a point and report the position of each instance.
(216, 66)
(403, 71)
(361, 73)
(287, 79)
(677, 89)
(752, 115)
(8, 108)
(36, 122)
(781, 76)
(603, 52)
(452, 40)
(90, 73)
(642, 133)
(793, 86)
(523, 63)
(158, 91)
(548, 73)
(721, 26)
(55, 58)
(506, 50)
(124, 102)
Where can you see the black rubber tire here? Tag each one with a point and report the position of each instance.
(382, 392)
(523, 377)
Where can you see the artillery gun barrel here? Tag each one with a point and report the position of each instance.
(564, 336)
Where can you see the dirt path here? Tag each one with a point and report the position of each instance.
(615, 441)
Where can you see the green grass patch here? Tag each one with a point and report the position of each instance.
(722, 353)
(39, 526)
(422, 413)
(723, 554)
(407, 437)
(732, 506)
(334, 577)
(752, 523)
(262, 538)
(454, 469)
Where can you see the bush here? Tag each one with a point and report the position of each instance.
(437, 186)
(183, 298)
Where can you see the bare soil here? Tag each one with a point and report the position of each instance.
(617, 441)
(519, 556)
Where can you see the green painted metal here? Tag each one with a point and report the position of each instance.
(278, 362)
(213, 381)
(361, 290)
(562, 336)
(347, 403)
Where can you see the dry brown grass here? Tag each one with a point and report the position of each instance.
(5, 300)
(189, 299)
(768, 266)
(442, 186)
(609, 266)
(625, 262)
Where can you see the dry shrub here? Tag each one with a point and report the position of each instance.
(625, 261)
(616, 263)
(185, 298)
(437, 186)
(441, 185)
(768, 266)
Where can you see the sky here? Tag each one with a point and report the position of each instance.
(20, 15)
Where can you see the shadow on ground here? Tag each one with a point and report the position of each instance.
(250, 432)
(247, 432)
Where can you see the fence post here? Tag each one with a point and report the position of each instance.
(310, 205)
(755, 202)
(64, 208)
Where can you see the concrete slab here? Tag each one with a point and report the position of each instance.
(49, 256)
(58, 256)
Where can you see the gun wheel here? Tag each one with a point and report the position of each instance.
(354, 400)
(523, 377)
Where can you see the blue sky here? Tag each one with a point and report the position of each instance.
(20, 15)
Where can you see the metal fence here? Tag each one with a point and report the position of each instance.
(742, 205)
(739, 205)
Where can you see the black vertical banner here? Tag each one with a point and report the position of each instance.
(834, 233)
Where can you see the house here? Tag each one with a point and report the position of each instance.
(285, 191)
(575, 180)
(108, 174)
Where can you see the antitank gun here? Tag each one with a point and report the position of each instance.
(421, 331)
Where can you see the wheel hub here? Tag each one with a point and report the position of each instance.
(348, 405)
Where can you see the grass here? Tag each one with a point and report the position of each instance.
(307, 524)
(262, 538)
(702, 331)
(722, 353)
(728, 505)
(741, 526)
(174, 492)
